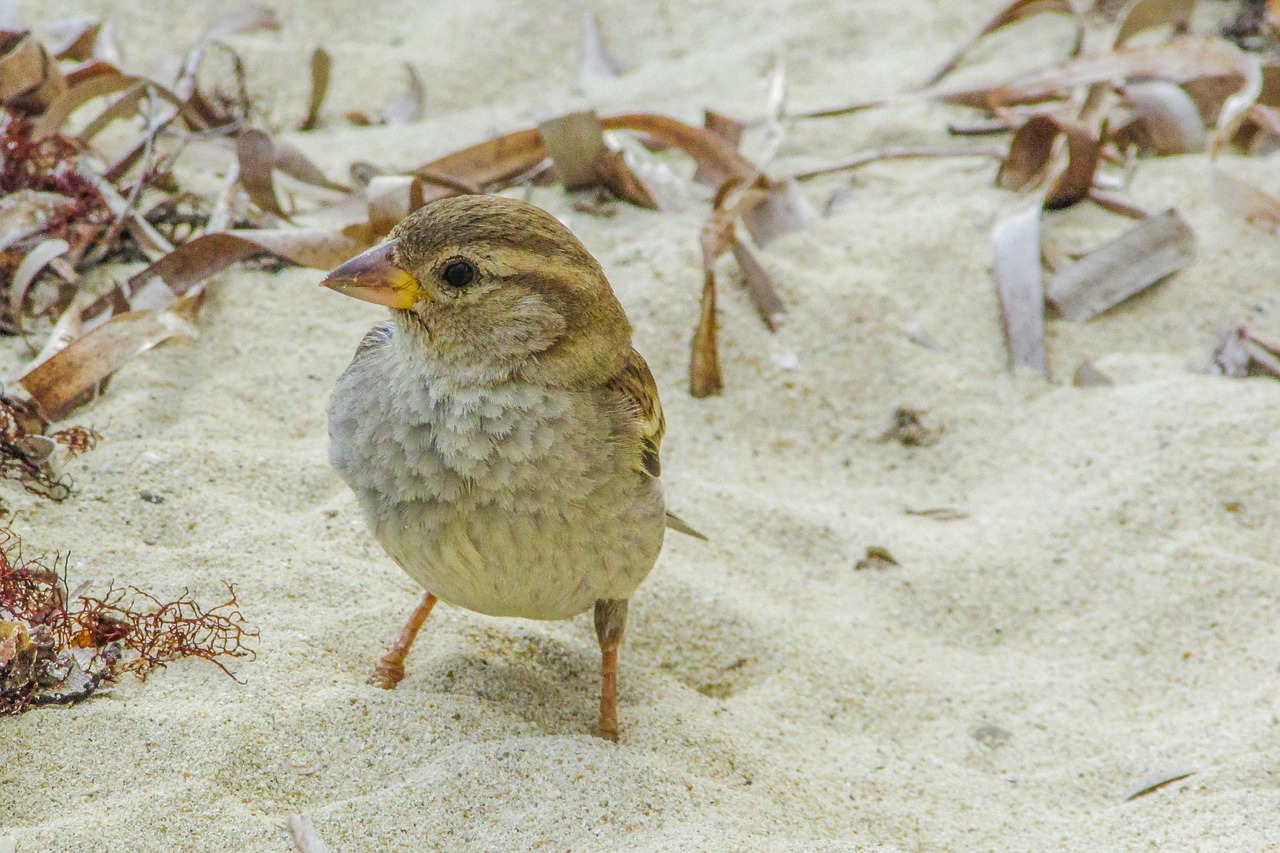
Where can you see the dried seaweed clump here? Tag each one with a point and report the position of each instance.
(57, 647)
(30, 456)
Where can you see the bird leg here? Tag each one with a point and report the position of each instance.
(390, 669)
(611, 619)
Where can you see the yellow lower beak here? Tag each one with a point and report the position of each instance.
(373, 277)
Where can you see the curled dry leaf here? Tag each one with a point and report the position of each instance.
(784, 209)
(408, 107)
(576, 145)
(35, 261)
(1155, 248)
(1031, 154)
(1171, 123)
(1019, 282)
(244, 18)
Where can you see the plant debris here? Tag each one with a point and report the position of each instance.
(877, 558)
(59, 646)
(909, 428)
(1136, 82)
(31, 455)
(1156, 247)
(1243, 352)
(1154, 783)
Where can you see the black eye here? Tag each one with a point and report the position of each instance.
(458, 273)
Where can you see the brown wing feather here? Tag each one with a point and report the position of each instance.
(639, 397)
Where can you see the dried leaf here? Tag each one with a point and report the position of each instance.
(718, 159)
(256, 155)
(245, 18)
(1118, 206)
(80, 40)
(97, 86)
(1031, 152)
(784, 209)
(597, 62)
(35, 261)
(1142, 15)
(321, 65)
(942, 513)
(574, 142)
(705, 378)
(292, 162)
(1155, 783)
(877, 558)
(68, 378)
(1019, 282)
(760, 286)
(1265, 359)
(1177, 60)
(1016, 11)
(488, 164)
(1154, 248)
(1169, 117)
(24, 68)
(408, 107)
(728, 129)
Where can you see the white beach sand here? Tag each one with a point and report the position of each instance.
(1099, 617)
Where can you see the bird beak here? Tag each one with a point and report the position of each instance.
(373, 277)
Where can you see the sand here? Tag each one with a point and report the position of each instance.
(1104, 613)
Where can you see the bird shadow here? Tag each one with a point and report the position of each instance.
(541, 680)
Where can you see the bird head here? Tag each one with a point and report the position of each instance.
(496, 285)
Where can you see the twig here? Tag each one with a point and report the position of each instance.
(898, 154)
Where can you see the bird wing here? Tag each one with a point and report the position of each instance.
(638, 393)
(378, 335)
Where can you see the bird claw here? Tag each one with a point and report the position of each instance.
(387, 675)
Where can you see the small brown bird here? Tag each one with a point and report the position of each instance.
(500, 433)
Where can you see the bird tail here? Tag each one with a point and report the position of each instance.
(674, 522)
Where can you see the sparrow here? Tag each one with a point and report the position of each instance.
(500, 432)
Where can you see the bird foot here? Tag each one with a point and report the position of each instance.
(387, 674)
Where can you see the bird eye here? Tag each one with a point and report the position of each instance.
(458, 273)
